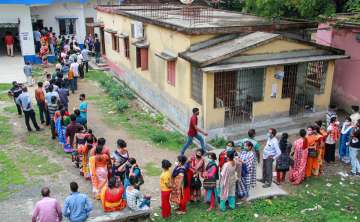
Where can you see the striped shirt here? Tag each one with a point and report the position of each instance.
(52, 108)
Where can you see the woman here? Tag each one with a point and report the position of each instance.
(120, 158)
(248, 175)
(211, 176)
(230, 146)
(98, 170)
(283, 162)
(228, 182)
(111, 197)
(297, 171)
(179, 181)
(331, 140)
(132, 169)
(135, 199)
(354, 150)
(197, 165)
(322, 137)
(84, 151)
(344, 140)
(61, 122)
(44, 51)
(312, 164)
(165, 187)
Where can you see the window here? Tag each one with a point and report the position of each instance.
(67, 26)
(196, 84)
(127, 47)
(142, 58)
(316, 75)
(171, 72)
(115, 42)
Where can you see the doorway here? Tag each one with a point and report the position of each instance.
(89, 26)
(102, 40)
(13, 29)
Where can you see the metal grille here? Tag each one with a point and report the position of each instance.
(196, 84)
(196, 14)
(316, 75)
(236, 91)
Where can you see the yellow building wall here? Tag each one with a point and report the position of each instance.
(278, 46)
(322, 101)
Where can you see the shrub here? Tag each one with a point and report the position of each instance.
(122, 105)
(159, 137)
(218, 142)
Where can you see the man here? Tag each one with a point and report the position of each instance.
(9, 42)
(77, 206)
(355, 116)
(75, 68)
(15, 92)
(37, 37)
(85, 57)
(52, 108)
(48, 209)
(51, 92)
(83, 107)
(40, 99)
(97, 51)
(271, 153)
(24, 100)
(79, 59)
(251, 138)
(28, 73)
(194, 132)
(72, 129)
(64, 94)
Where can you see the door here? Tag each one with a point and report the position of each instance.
(102, 40)
(89, 26)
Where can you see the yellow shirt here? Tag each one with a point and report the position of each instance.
(165, 178)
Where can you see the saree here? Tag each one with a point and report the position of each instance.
(99, 173)
(178, 183)
(312, 163)
(249, 179)
(60, 130)
(111, 200)
(84, 169)
(297, 171)
(344, 139)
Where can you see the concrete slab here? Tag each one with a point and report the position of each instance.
(11, 69)
(124, 215)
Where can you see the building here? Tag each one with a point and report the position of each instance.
(230, 65)
(66, 17)
(343, 33)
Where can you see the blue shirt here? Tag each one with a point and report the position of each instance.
(83, 106)
(48, 96)
(37, 36)
(24, 100)
(81, 120)
(77, 207)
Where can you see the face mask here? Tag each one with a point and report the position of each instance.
(347, 123)
(198, 156)
(309, 132)
(246, 148)
(269, 135)
(229, 148)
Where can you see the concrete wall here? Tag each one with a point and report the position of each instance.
(14, 13)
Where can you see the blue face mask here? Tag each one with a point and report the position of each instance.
(269, 135)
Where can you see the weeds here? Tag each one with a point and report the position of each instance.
(152, 169)
(5, 131)
(218, 142)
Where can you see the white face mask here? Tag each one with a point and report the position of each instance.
(347, 123)
(228, 148)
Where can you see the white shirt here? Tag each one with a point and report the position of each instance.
(354, 118)
(271, 149)
(329, 138)
(75, 68)
(79, 59)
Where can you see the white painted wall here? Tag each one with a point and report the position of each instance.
(11, 14)
(49, 13)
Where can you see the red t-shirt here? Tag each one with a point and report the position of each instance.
(193, 122)
(9, 40)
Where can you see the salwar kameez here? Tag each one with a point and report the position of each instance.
(249, 179)
(228, 185)
(211, 173)
(297, 171)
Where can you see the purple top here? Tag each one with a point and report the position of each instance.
(47, 210)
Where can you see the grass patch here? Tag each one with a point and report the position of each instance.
(5, 87)
(37, 72)
(43, 140)
(337, 200)
(5, 131)
(10, 176)
(11, 109)
(218, 142)
(152, 169)
(35, 164)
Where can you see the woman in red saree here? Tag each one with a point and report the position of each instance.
(44, 51)
(84, 151)
(111, 197)
(297, 171)
(99, 171)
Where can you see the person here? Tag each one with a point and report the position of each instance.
(85, 56)
(297, 170)
(50, 93)
(331, 112)
(227, 183)
(344, 141)
(80, 62)
(355, 116)
(44, 51)
(312, 163)
(354, 150)
(230, 146)
(179, 181)
(71, 130)
(77, 206)
(111, 197)
(40, 100)
(135, 199)
(60, 125)
(197, 167)
(75, 68)
(248, 162)
(251, 138)
(52, 108)
(331, 140)
(28, 73)
(63, 95)
(37, 37)
(24, 100)
(165, 188)
(193, 132)
(283, 162)
(47, 209)
(321, 145)
(79, 118)
(271, 153)
(71, 80)
(15, 92)
(98, 170)
(211, 176)
(133, 170)
(97, 48)
(84, 150)
(119, 159)
(83, 107)
(9, 42)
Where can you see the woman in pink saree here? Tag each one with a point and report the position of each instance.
(98, 170)
(297, 171)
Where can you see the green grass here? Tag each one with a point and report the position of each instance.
(37, 72)
(10, 176)
(339, 202)
(152, 169)
(5, 87)
(218, 142)
(11, 109)
(43, 140)
(5, 131)
(35, 164)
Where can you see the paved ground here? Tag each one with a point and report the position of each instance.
(11, 69)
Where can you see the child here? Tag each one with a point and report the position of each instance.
(165, 187)
(133, 170)
(135, 199)
(283, 162)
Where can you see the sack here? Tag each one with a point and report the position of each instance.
(312, 152)
(209, 184)
(195, 183)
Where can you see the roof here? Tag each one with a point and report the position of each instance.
(40, 2)
(345, 20)
(206, 20)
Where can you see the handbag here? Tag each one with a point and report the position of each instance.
(195, 183)
(312, 152)
(209, 184)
